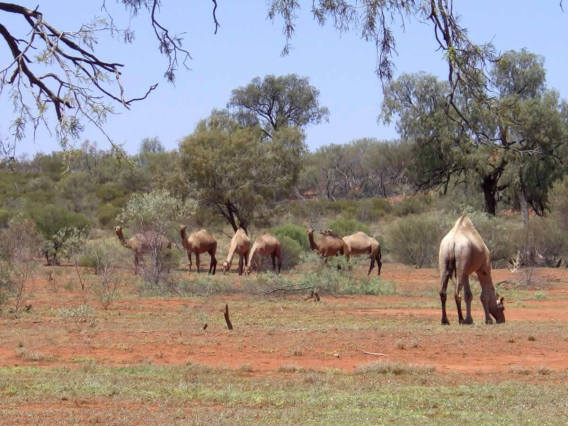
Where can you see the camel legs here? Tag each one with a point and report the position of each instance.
(379, 263)
(463, 282)
(240, 264)
(279, 263)
(443, 295)
(212, 264)
(197, 261)
(189, 258)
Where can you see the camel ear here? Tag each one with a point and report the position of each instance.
(501, 301)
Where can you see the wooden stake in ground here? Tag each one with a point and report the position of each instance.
(227, 319)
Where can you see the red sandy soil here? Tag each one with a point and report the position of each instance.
(170, 330)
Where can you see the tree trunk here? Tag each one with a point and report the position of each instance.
(489, 186)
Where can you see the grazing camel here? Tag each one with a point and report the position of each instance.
(265, 245)
(360, 243)
(199, 242)
(240, 243)
(142, 243)
(463, 252)
(328, 245)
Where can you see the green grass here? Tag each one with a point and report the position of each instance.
(377, 394)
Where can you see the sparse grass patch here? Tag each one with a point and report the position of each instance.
(521, 370)
(387, 367)
(34, 356)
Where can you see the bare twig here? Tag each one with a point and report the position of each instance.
(227, 319)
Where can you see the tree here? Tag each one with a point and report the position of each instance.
(276, 102)
(500, 143)
(58, 71)
(236, 171)
(151, 146)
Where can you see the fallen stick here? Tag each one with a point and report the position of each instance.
(373, 353)
(289, 288)
(227, 319)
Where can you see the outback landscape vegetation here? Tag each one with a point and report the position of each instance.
(242, 278)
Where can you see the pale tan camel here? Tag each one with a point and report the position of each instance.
(240, 244)
(327, 245)
(142, 243)
(360, 243)
(199, 242)
(265, 245)
(463, 252)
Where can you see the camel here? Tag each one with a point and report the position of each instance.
(463, 252)
(328, 245)
(199, 242)
(142, 243)
(265, 245)
(240, 243)
(360, 243)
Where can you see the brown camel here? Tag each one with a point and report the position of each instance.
(265, 245)
(240, 243)
(360, 243)
(142, 243)
(463, 252)
(199, 242)
(327, 245)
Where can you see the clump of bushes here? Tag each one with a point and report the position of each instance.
(342, 281)
(345, 227)
(293, 232)
(415, 239)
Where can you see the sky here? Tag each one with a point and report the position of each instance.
(247, 45)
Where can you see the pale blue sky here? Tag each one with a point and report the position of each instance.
(248, 45)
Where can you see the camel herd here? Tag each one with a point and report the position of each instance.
(462, 252)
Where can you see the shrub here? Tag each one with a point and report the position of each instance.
(372, 209)
(291, 252)
(501, 236)
(413, 205)
(548, 240)
(294, 232)
(106, 214)
(415, 239)
(345, 227)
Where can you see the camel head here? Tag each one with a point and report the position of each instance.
(498, 312)
(247, 270)
(225, 267)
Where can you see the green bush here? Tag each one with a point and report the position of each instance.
(98, 254)
(5, 216)
(106, 214)
(291, 252)
(373, 209)
(345, 227)
(502, 236)
(413, 205)
(415, 239)
(335, 281)
(294, 232)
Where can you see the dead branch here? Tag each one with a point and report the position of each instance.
(290, 288)
(227, 319)
(314, 295)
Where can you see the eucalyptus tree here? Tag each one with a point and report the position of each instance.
(515, 137)
(236, 171)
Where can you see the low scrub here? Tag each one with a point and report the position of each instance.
(344, 227)
(415, 239)
(342, 281)
(293, 232)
